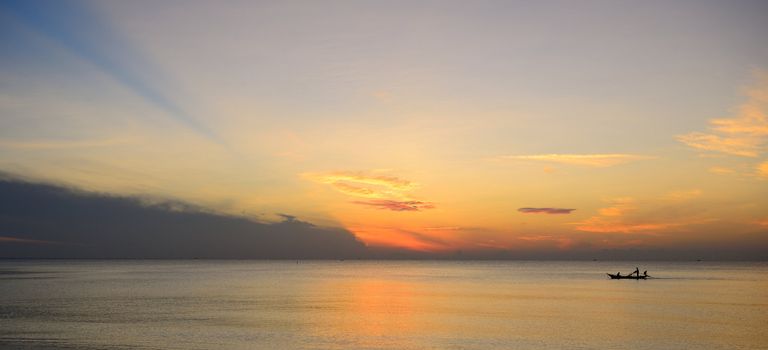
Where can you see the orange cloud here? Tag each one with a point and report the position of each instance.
(360, 184)
(681, 196)
(354, 190)
(745, 146)
(397, 205)
(762, 169)
(620, 206)
(721, 170)
(612, 219)
(611, 211)
(742, 135)
(593, 160)
(360, 177)
(601, 225)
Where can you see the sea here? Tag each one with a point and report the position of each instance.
(245, 304)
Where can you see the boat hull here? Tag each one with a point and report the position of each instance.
(618, 277)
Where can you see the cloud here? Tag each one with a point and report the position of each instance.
(762, 169)
(745, 146)
(612, 219)
(384, 191)
(593, 160)
(545, 210)
(47, 221)
(356, 190)
(397, 205)
(90, 225)
(623, 216)
(681, 196)
(360, 184)
(619, 207)
(721, 170)
(601, 225)
(745, 134)
(363, 178)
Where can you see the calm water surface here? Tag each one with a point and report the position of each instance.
(380, 305)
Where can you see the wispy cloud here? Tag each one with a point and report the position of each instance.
(384, 191)
(355, 190)
(682, 196)
(361, 184)
(739, 145)
(593, 160)
(600, 225)
(744, 134)
(762, 169)
(612, 219)
(619, 207)
(721, 170)
(397, 205)
(545, 210)
(360, 177)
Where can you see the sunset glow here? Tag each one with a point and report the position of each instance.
(449, 128)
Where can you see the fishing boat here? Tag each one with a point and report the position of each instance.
(621, 277)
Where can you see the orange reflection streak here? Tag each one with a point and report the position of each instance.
(386, 307)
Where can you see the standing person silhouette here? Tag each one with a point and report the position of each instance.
(637, 272)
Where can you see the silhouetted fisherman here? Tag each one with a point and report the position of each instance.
(637, 272)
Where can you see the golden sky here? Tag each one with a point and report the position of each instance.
(431, 126)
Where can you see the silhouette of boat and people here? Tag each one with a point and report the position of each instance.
(635, 275)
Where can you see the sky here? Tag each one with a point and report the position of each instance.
(434, 128)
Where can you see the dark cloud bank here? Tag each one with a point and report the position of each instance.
(47, 221)
(40, 220)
